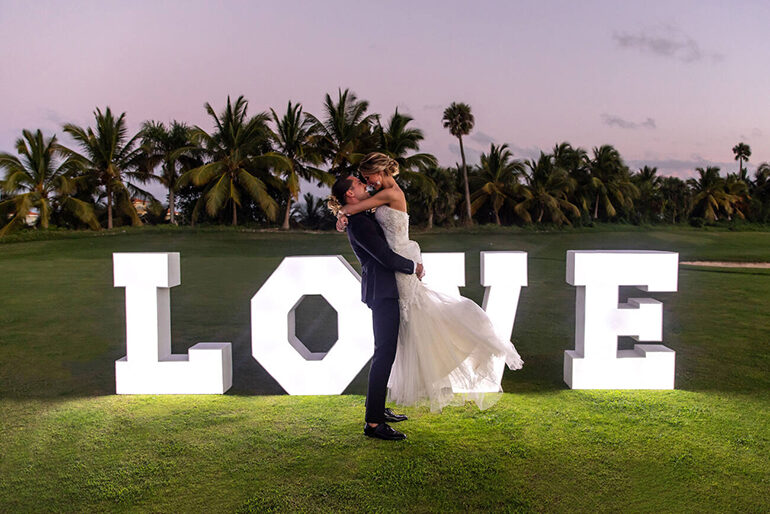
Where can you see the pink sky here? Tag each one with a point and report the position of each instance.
(670, 84)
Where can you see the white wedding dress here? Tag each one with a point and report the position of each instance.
(443, 341)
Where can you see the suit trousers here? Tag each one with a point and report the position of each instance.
(385, 320)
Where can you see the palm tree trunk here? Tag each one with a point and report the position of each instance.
(596, 207)
(430, 217)
(45, 213)
(497, 218)
(469, 220)
(540, 216)
(171, 206)
(109, 206)
(285, 225)
(235, 214)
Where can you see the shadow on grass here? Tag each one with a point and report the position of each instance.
(759, 272)
(698, 368)
(541, 374)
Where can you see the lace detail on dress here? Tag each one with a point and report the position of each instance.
(448, 350)
(395, 225)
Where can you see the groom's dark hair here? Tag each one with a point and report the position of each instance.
(341, 187)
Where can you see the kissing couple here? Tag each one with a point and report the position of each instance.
(427, 346)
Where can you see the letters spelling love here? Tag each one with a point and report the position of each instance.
(149, 367)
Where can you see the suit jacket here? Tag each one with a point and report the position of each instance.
(378, 261)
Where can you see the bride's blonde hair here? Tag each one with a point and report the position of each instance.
(377, 161)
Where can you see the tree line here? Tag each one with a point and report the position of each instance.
(249, 168)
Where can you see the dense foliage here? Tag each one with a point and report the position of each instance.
(250, 168)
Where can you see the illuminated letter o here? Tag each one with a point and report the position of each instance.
(334, 279)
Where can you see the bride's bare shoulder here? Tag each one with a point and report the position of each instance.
(398, 201)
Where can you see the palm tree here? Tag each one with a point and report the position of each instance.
(438, 207)
(742, 153)
(546, 191)
(575, 162)
(173, 149)
(610, 181)
(737, 185)
(396, 141)
(313, 214)
(295, 138)
(710, 197)
(762, 175)
(459, 120)
(496, 179)
(760, 192)
(650, 203)
(346, 132)
(39, 179)
(675, 198)
(107, 156)
(239, 158)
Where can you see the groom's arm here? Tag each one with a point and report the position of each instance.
(367, 238)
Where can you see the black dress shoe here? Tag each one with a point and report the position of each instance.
(383, 431)
(392, 417)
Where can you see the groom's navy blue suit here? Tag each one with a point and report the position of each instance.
(380, 293)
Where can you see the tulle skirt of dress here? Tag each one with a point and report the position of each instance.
(443, 342)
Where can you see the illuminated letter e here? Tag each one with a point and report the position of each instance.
(596, 362)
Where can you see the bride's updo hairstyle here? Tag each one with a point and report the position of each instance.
(336, 200)
(377, 161)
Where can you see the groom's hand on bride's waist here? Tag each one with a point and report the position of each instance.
(419, 271)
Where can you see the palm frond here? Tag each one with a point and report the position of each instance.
(256, 189)
(201, 175)
(217, 195)
(83, 211)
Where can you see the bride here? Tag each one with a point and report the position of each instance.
(443, 341)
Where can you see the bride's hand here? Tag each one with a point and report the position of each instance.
(342, 222)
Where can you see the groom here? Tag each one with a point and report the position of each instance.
(379, 292)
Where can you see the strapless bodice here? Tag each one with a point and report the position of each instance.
(395, 224)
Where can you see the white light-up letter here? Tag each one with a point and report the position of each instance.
(596, 362)
(444, 272)
(502, 274)
(149, 367)
(274, 345)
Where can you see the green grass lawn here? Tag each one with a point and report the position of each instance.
(69, 444)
